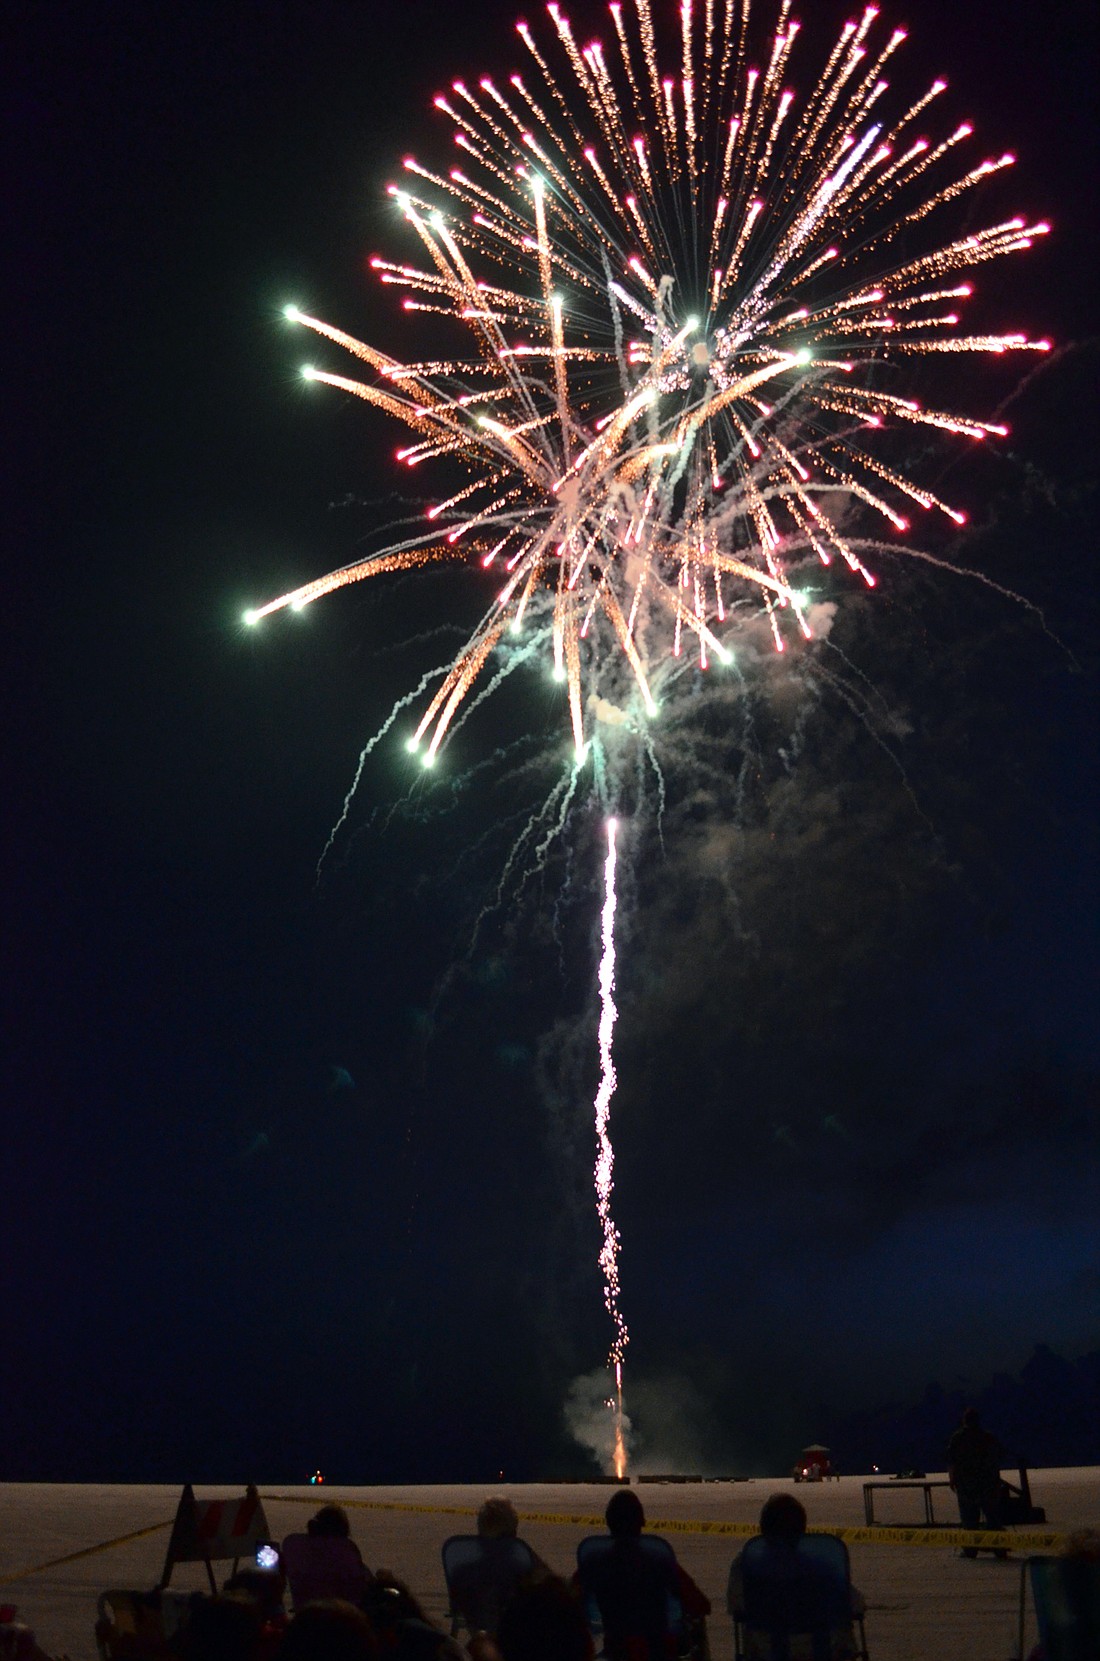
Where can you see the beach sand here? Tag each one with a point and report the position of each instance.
(925, 1603)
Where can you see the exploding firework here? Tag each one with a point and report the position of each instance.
(673, 304)
(683, 304)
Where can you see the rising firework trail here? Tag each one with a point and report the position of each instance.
(677, 304)
(605, 1154)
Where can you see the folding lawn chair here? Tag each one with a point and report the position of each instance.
(631, 1595)
(797, 1602)
(140, 1626)
(1066, 1594)
(482, 1576)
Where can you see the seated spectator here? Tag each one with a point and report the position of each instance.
(225, 1628)
(648, 1605)
(18, 1643)
(545, 1622)
(325, 1562)
(484, 1573)
(263, 1588)
(404, 1631)
(330, 1630)
(498, 1520)
(776, 1589)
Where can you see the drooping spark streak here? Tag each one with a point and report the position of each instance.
(604, 1174)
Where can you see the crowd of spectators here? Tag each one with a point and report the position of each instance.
(315, 1599)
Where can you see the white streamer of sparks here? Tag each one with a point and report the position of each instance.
(604, 1174)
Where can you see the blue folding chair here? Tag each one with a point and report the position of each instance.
(796, 1600)
(483, 1575)
(631, 1595)
(1066, 1594)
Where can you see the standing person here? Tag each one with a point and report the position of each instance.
(974, 1471)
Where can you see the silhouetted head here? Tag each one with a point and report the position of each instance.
(260, 1586)
(222, 1629)
(329, 1630)
(971, 1419)
(625, 1514)
(545, 1622)
(783, 1518)
(497, 1519)
(331, 1522)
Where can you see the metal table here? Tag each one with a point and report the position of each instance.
(892, 1484)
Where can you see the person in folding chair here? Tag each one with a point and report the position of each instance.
(325, 1562)
(645, 1606)
(484, 1571)
(790, 1593)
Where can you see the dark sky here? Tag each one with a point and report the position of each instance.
(291, 1176)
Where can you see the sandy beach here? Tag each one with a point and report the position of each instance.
(925, 1603)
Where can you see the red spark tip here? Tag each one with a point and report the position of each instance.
(903, 524)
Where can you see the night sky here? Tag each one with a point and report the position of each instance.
(294, 1175)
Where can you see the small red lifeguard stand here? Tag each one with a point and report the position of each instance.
(813, 1464)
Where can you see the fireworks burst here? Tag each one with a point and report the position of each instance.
(674, 303)
(682, 301)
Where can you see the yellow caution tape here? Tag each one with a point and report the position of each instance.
(877, 1535)
(987, 1540)
(85, 1551)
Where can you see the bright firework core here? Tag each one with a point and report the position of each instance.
(684, 304)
